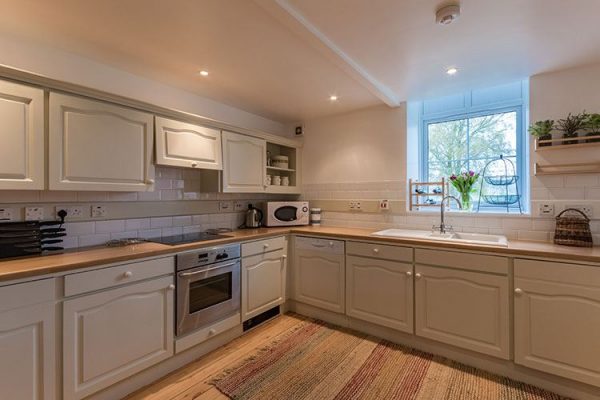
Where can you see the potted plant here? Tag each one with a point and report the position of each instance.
(571, 126)
(464, 183)
(542, 130)
(593, 124)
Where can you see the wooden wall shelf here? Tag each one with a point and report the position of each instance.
(558, 143)
(559, 169)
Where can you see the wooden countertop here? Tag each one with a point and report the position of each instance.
(11, 269)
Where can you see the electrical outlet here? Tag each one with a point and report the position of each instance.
(225, 206)
(99, 211)
(74, 212)
(587, 209)
(355, 205)
(384, 205)
(34, 213)
(240, 206)
(546, 210)
(7, 214)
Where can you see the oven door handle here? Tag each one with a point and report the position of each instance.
(186, 274)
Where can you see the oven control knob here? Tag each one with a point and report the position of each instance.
(304, 209)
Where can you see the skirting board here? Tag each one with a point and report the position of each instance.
(549, 382)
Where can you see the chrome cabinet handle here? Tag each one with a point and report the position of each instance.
(184, 274)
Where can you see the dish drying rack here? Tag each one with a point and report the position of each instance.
(426, 194)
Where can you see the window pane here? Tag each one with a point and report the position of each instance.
(493, 135)
(447, 147)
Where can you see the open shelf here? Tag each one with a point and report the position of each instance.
(558, 143)
(292, 172)
(558, 169)
(281, 169)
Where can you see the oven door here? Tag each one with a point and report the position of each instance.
(207, 294)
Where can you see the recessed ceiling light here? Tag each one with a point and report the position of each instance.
(452, 71)
(204, 73)
(447, 14)
(333, 98)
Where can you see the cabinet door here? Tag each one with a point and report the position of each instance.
(380, 292)
(27, 353)
(319, 279)
(557, 319)
(179, 144)
(263, 283)
(22, 133)
(244, 163)
(464, 309)
(99, 146)
(111, 335)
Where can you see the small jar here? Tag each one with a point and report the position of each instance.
(315, 216)
(285, 181)
(276, 180)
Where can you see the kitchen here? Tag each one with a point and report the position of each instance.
(295, 210)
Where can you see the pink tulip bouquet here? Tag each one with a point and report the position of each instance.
(464, 183)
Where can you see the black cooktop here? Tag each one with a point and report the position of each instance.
(187, 238)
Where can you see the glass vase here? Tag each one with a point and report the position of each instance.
(466, 202)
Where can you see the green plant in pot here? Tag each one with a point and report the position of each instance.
(592, 123)
(571, 126)
(542, 130)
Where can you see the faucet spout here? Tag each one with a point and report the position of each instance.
(442, 222)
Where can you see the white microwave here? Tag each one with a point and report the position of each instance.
(285, 213)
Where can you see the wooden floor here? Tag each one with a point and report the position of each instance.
(190, 382)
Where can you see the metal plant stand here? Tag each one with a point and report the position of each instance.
(499, 186)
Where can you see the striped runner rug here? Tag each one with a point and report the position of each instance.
(319, 361)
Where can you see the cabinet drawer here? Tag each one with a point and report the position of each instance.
(113, 276)
(26, 294)
(565, 273)
(385, 252)
(318, 244)
(263, 246)
(469, 261)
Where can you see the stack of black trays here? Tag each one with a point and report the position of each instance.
(30, 238)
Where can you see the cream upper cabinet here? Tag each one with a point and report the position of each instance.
(380, 291)
(463, 308)
(263, 282)
(319, 273)
(22, 132)
(27, 341)
(557, 319)
(99, 146)
(180, 144)
(244, 163)
(111, 335)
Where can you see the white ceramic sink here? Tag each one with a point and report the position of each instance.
(456, 237)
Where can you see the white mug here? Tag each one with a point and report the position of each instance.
(276, 180)
(269, 179)
(285, 181)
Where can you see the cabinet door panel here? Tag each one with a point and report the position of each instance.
(557, 324)
(263, 283)
(22, 133)
(180, 144)
(99, 146)
(465, 309)
(27, 353)
(319, 279)
(244, 163)
(380, 292)
(112, 335)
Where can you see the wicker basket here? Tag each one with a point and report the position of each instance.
(573, 230)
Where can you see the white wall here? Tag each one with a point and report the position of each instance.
(60, 65)
(362, 156)
(362, 146)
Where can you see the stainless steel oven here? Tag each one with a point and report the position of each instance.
(208, 287)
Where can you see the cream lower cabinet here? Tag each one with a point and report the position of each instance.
(27, 341)
(111, 335)
(319, 273)
(22, 132)
(557, 319)
(180, 144)
(99, 146)
(463, 308)
(263, 282)
(380, 291)
(244, 163)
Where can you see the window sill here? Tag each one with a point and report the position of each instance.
(484, 214)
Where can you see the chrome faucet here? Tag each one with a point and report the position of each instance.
(443, 226)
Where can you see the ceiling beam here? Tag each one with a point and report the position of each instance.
(291, 17)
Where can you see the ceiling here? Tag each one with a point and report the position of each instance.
(282, 59)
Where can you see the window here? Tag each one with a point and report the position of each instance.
(468, 131)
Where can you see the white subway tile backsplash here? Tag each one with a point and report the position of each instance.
(161, 222)
(124, 235)
(162, 184)
(80, 228)
(122, 196)
(149, 196)
(581, 180)
(19, 196)
(137, 224)
(93, 240)
(150, 233)
(57, 196)
(182, 220)
(178, 230)
(92, 196)
(111, 226)
(169, 195)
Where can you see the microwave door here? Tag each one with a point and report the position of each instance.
(286, 214)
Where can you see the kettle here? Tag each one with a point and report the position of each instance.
(254, 217)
